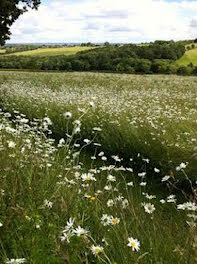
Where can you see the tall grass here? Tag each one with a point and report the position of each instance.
(153, 115)
(59, 206)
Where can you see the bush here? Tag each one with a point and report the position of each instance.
(184, 70)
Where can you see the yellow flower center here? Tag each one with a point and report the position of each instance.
(133, 244)
(114, 221)
(97, 250)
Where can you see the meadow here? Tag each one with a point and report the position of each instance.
(190, 56)
(97, 168)
(51, 51)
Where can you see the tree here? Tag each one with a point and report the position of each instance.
(10, 10)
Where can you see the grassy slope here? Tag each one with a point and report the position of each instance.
(35, 169)
(190, 56)
(51, 51)
(31, 228)
(154, 115)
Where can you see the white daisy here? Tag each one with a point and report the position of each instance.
(134, 244)
(96, 250)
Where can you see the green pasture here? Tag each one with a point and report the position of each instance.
(190, 56)
(51, 51)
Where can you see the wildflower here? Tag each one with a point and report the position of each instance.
(143, 184)
(191, 223)
(97, 144)
(48, 121)
(110, 203)
(162, 201)
(79, 231)
(48, 203)
(134, 244)
(105, 220)
(77, 122)
(70, 222)
(87, 141)
(125, 203)
(66, 237)
(107, 187)
(1, 224)
(146, 160)
(156, 170)
(61, 142)
(111, 178)
(130, 184)
(149, 208)
(91, 104)
(11, 144)
(97, 129)
(181, 166)
(142, 174)
(37, 226)
(171, 199)
(96, 249)
(192, 216)
(150, 197)
(67, 115)
(119, 198)
(24, 120)
(88, 177)
(104, 158)
(129, 169)
(16, 261)
(187, 206)
(165, 178)
(76, 130)
(114, 221)
(116, 158)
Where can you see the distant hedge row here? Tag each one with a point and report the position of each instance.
(158, 57)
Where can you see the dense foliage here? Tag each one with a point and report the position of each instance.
(157, 57)
(9, 13)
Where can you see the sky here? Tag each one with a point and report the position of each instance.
(117, 21)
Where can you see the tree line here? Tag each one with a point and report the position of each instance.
(158, 57)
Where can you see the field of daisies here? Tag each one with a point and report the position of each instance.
(97, 168)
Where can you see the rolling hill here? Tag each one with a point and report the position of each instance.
(51, 51)
(190, 56)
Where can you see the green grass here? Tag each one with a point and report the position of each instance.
(41, 188)
(2, 51)
(151, 114)
(190, 56)
(42, 181)
(51, 51)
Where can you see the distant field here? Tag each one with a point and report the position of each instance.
(190, 56)
(51, 51)
(2, 51)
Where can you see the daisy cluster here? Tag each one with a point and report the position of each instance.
(102, 188)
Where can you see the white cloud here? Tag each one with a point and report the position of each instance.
(107, 20)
